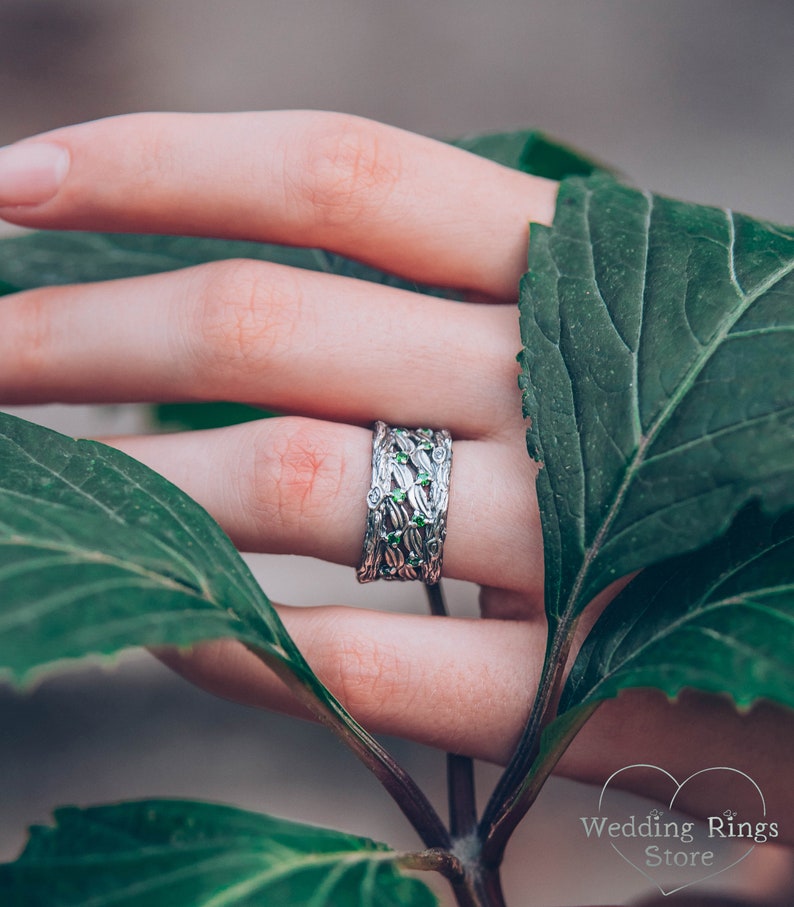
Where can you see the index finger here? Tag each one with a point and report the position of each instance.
(402, 202)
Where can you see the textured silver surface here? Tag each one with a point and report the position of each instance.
(406, 504)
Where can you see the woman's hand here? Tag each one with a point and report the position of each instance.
(340, 352)
(337, 354)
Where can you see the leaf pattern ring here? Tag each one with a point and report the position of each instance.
(406, 504)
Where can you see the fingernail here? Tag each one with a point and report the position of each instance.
(31, 172)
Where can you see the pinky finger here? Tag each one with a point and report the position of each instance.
(412, 676)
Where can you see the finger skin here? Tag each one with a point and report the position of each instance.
(298, 486)
(273, 336)
(473, 695)
(462, 699)
(402, 202)
(694, 732)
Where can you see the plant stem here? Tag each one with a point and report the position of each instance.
(471, 886)
(506, 809)
(461, 796)
(435, 600)
(483, 888)
(434, 860)
(468, 887)
(528, 792)
(489, 888)
(460, 769)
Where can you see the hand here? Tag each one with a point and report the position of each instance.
(338, 354)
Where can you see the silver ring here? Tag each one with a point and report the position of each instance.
(407, 504)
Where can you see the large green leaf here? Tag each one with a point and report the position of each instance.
(98, 552)
(659, 381)
(659, 378)
(163, 853)
(720, 619)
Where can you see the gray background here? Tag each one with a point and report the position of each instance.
(690, 97)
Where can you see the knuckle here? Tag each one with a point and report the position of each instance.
(298, 473)
(247, 313)
(350, 170)
(369, 676)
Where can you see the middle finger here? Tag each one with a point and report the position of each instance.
(269, 335)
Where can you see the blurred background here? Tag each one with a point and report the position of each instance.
(693, 98)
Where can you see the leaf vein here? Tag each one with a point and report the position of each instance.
(638, 458)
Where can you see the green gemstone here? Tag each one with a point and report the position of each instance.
(426, 445)
(414, 561)
(386, 570)
(394, 538)
(398, 496)
(423, 479)
(419, 520)
(401, 457)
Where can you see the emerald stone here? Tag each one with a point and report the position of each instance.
(401, 457)
(423, 478)
(386, 570)
(394, 538)
(425, 445)
(414, 560)
(419, 520)
(398, 496)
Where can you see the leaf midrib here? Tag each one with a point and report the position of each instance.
(100, 557)
(110, 512)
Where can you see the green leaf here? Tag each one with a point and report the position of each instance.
(532, 151)
(720, 619)
(48, 258)
(658, 378)
(98, 552)
(545, 156)
(163, 853)
(199, 416)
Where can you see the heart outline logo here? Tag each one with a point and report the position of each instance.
(678, 788)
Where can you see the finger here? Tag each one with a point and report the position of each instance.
(644, 727)
(465, 686)
(269, 335)
(403, 202)
(298, 486)
(472, 696)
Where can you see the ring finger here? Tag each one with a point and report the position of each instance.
(299, 486)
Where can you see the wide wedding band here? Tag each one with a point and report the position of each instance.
(406, 504)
